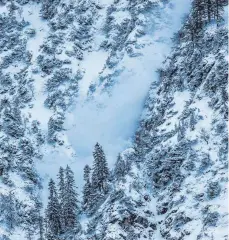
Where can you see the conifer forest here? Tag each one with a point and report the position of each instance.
(114, 120)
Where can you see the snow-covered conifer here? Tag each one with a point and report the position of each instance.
(70, 205)
(100, 169)
(87, 189)
(61, 194)
(53, 213)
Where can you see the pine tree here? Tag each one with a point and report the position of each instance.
(119, 169)
(53, 213)
(100, 170)
(70, 206)
(61, 194)
(87, 188)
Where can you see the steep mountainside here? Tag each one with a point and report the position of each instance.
(63, 61)
(177, 185)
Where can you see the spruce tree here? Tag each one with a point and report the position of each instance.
(203, 12)
(86, 175)
(53, 213)
(61, 194)
(100, 169)
(87, 189)
(70, 206)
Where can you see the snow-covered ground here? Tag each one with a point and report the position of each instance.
(111, 114)
(110, 119)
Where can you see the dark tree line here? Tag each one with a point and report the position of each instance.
(203, 12)
(97, 179)
(63, 208)
(96, 183)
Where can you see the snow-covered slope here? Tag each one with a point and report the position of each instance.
(76, 72)
(177, 185)
(177, 188)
